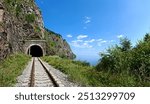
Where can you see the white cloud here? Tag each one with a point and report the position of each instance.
(90, 41)
(99, 44)
(81, 37)
(87, 20)
(104, 41)
(77, 41)
(120, 36)
(111, 41)
(75, 44)
(101, 41)
(80, 44)
(86, 45)
(69, 36)
(87, 17)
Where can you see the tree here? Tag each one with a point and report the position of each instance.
(147, 37)
(117, 58)
(125, 44)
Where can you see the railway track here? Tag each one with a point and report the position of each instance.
(37, 74)
(40, 76)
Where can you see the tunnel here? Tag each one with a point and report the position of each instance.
(35, 51)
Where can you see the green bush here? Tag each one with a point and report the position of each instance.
(8, 1)
(18, 10)
(134, 63)
(37, 29)
(83, 63)
(30, 18)
(141, 61)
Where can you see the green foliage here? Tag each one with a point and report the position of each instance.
(114, 61)
(11, 68)
(81, 74)
(141, 61)
(52, 44)
(63, 56)
(1, 24)
(55, 45)
(86, 75)
(133, 63)
(9, 5)
(37, 29)
(52, 32)
(147, 37)
(30, 18)
(125, 44)
(82, 63)
(121, 65)
(18, 10)
(8, 1)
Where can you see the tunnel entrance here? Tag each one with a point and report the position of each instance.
(35, 51)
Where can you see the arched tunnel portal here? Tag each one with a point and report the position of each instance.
(35, 51)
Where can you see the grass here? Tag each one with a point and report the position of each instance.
(85, 75)
(11, 68)
(77, 71)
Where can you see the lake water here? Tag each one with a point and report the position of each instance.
(92, 60)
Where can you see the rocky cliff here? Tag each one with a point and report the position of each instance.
(56, 45)
(21, 20)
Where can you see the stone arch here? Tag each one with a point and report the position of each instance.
(35, 50)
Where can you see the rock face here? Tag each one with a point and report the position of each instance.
(56, 45)
(21, 20)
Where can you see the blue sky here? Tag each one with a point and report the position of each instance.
(91, 26)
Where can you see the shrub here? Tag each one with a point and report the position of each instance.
(18, 10)
(30, 18)
(141, 61)
(133, 62)
(37, 29)
(83, 63)
(8, 1)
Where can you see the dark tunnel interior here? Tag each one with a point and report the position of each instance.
(35, 51)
